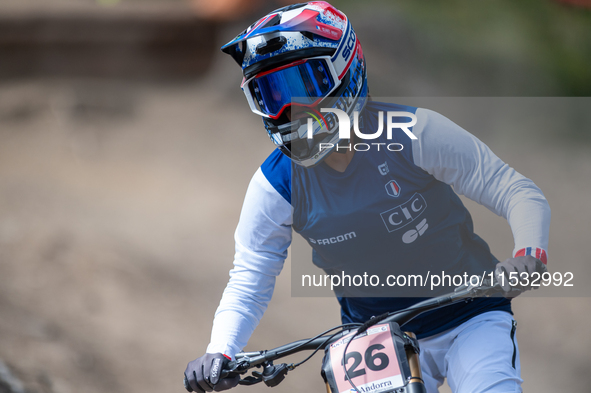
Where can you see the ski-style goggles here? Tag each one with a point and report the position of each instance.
(308, 81)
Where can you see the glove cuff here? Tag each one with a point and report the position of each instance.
(225, 349)
(536, 252)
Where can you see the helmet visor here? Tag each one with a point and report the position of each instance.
(307, 81)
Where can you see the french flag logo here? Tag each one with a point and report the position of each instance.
(392, 188)
(537, 252)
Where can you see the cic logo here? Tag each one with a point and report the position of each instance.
(402, 215)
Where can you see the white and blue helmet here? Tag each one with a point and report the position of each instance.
(294, 61)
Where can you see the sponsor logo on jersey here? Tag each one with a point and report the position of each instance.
(383, 168)
(334, 239)
(392, 188)
(402, 215)
(413, 234)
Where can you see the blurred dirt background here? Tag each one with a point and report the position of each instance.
(123, 164)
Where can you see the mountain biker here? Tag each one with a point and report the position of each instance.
(304, 56)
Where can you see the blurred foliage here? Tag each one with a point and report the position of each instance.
(551, 39)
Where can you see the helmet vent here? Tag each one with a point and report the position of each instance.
(271, 45)
(308, 35)
(291, 7)
(272, 21)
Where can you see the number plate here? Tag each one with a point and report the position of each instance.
(372, 362)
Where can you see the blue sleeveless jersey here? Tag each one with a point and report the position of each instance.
(385, 214)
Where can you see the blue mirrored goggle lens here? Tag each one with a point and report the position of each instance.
(306, 82)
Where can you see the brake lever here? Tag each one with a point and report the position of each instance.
(250, 380)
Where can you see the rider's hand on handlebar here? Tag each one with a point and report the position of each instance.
(203, 374)
(514, 274)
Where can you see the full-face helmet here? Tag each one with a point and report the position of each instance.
(296, 60)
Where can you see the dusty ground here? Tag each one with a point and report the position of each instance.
(117, 207)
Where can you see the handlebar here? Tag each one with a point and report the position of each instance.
(272, 375)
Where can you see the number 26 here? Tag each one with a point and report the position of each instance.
(370, 361)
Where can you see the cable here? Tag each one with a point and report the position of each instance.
(316, 350)
(345, 363)
(345, 325)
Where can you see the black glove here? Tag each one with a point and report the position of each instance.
(515, 274)
(203, 374)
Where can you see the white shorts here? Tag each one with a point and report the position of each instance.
(480, 355)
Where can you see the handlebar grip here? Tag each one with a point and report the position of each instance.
(188, 387)
(225, 373)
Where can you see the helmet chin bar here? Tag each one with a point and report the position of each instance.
(278, 128)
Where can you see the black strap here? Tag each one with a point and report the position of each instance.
(412, 343)
(513, 329)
